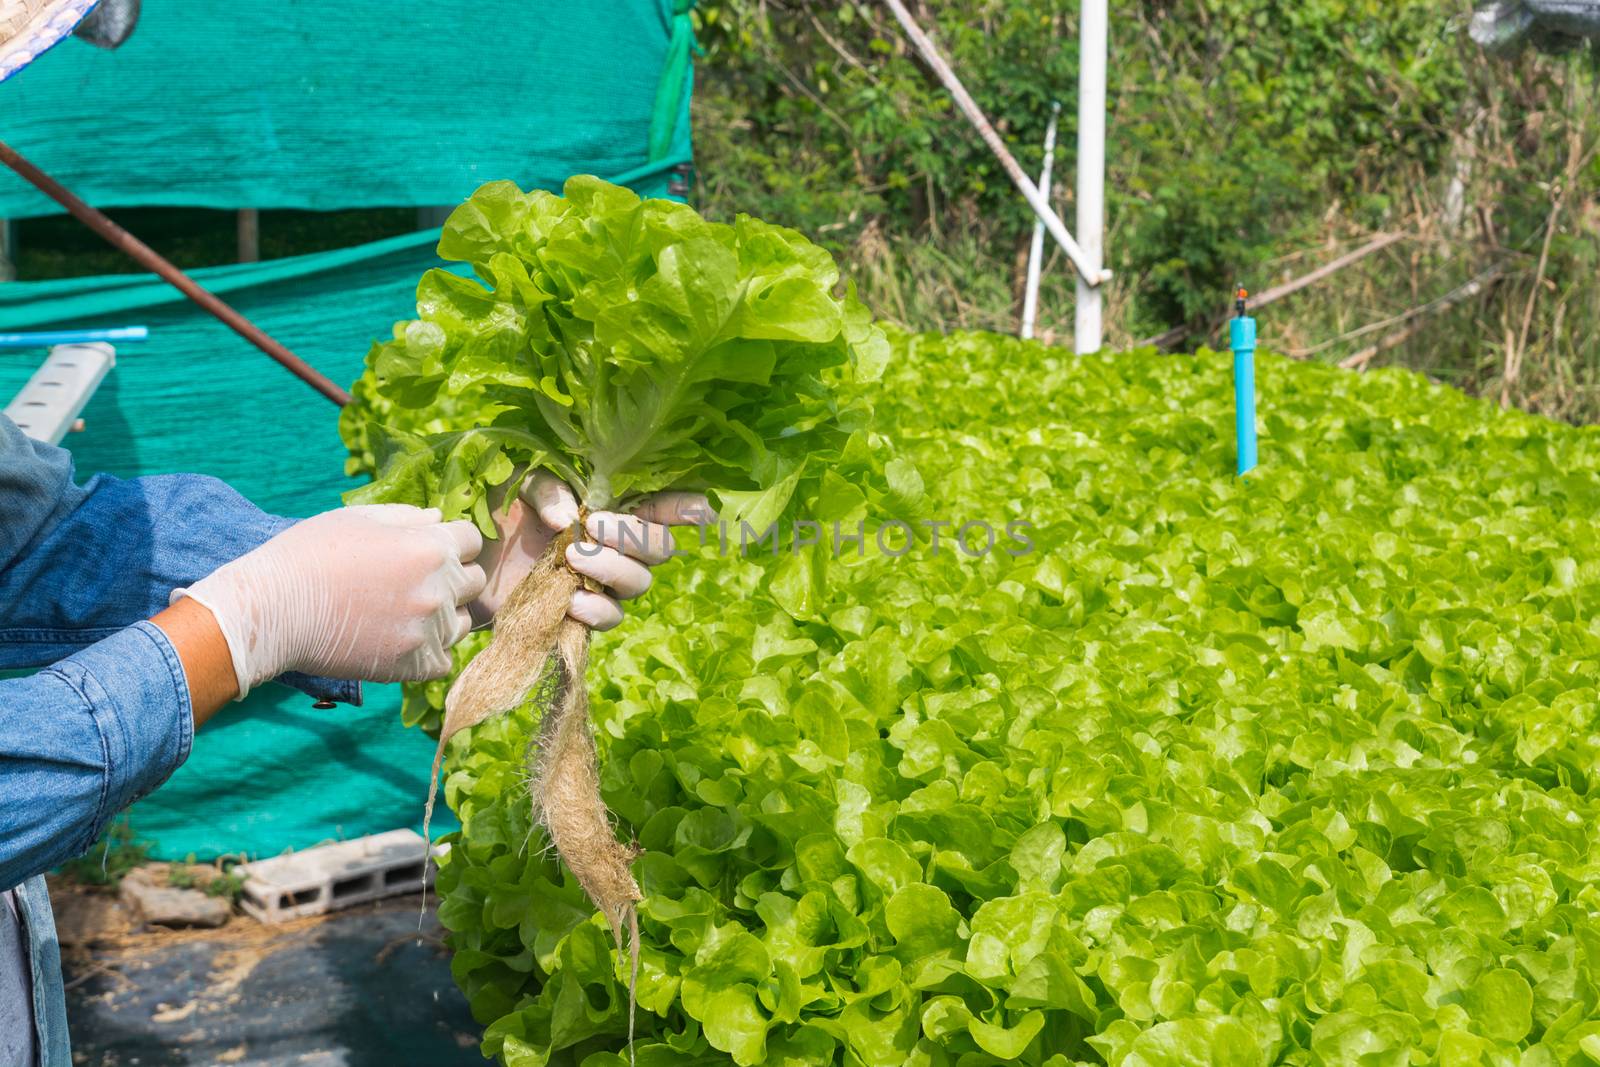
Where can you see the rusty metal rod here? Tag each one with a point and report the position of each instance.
(146, 256)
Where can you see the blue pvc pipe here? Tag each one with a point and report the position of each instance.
(1243, 338)
(46, 338)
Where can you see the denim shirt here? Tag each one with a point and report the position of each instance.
(109, 718)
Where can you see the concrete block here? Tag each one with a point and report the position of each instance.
(165, 905)
(334, 876)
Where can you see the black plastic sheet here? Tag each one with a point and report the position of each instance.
(363, 988)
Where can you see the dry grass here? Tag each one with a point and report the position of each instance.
(1482, 293)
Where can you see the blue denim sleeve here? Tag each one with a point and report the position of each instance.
(79, 563)
(82, 740)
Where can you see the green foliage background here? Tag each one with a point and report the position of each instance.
(1291, 770)
(1248, 140)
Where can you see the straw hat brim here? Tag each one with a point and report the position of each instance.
(30, 28)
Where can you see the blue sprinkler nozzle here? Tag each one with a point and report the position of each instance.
(1242, 335)
(46, 338)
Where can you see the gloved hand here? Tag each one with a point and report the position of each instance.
(374, 592)
(623, 549)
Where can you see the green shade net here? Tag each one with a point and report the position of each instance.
(270, 772)
(295, 104)
(359, 103)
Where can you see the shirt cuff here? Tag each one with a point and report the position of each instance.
(340, 692)
(134, 686)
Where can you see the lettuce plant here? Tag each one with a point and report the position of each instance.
(626, 345)
(1299, 769)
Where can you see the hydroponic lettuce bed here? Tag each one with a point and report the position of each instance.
(1292, 770)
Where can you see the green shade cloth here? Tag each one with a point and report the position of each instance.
(361, 103)
(268, 773)
(294, 104)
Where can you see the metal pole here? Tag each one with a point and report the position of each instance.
(147, 257)
(431, 218)
(1030, 295)
(249, 227)
(8, 249)
(1093, 274)
(1088, 332)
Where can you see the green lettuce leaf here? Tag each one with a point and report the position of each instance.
(627, 345)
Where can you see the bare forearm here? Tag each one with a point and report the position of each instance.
(207, 663)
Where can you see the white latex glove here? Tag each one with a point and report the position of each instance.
(374, 592)
(623, 549)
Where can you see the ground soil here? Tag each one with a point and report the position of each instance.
(358, 988)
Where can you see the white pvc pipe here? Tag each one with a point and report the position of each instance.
(1088, 330)
(53, 398)
(1008, 163)
(1030, 295)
